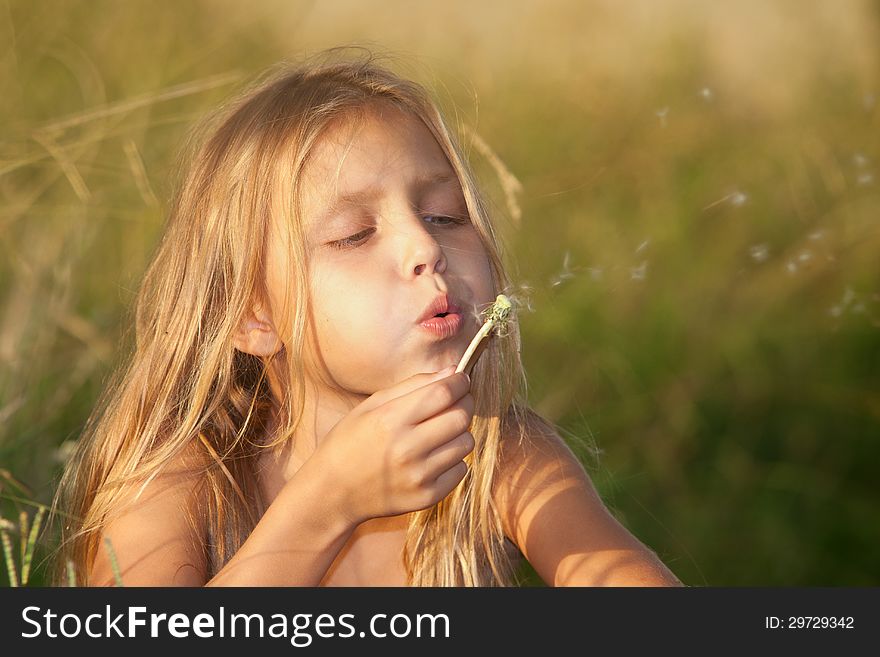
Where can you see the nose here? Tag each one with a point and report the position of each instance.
(421, 251)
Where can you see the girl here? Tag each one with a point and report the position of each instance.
(286, 418)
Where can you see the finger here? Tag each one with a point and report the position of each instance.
(429, 400)
(450, 479)
(447, 455)
(438, 430)
(404, 387)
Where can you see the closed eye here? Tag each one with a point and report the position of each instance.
(358, 239)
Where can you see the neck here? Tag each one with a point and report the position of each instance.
(324, 407)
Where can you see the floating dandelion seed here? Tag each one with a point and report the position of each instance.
(638, 273)
(596, 273)
(63, 452)
(865, 178)
(835, 311)
(860, 160)
(662, 113)
(858, 307)
(848, 296)
(706, 94)
(522, 297)
(804, 256)
(738, 198)
(566, 273)
(642, 246)
(759, 252)
(817, 235)
(791, 267)
(869, 101)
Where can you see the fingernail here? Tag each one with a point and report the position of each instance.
(468, 377)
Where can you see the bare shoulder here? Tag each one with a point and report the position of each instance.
(154, 533)
(553, 512)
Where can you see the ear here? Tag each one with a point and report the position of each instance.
(256, 335)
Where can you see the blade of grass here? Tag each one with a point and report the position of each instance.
(71, 575)
(113, 562)
(10, 563)
(31, 544)
(23, 524)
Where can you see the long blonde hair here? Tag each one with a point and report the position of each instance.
(185, 389)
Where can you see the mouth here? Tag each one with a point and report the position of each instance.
(442, 318)
(443, 325)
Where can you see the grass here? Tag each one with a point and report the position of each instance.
(689, 210)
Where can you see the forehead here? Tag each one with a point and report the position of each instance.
(360, 158)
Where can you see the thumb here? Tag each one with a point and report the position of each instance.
(404, 387)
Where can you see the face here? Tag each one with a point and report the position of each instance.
(388, 232)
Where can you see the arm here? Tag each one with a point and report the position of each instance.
(552, 511)
(293, 544)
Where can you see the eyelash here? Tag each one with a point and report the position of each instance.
(351, 242)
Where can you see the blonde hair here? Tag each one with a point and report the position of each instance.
(186, 390)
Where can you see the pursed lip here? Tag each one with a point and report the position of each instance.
(441, 304)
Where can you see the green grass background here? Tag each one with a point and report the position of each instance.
(696, 228)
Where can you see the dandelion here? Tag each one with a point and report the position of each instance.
(497, 317)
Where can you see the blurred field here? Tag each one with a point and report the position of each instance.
(697, 229)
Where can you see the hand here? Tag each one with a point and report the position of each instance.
(401, 449)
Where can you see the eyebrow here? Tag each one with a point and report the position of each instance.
(361, 197)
